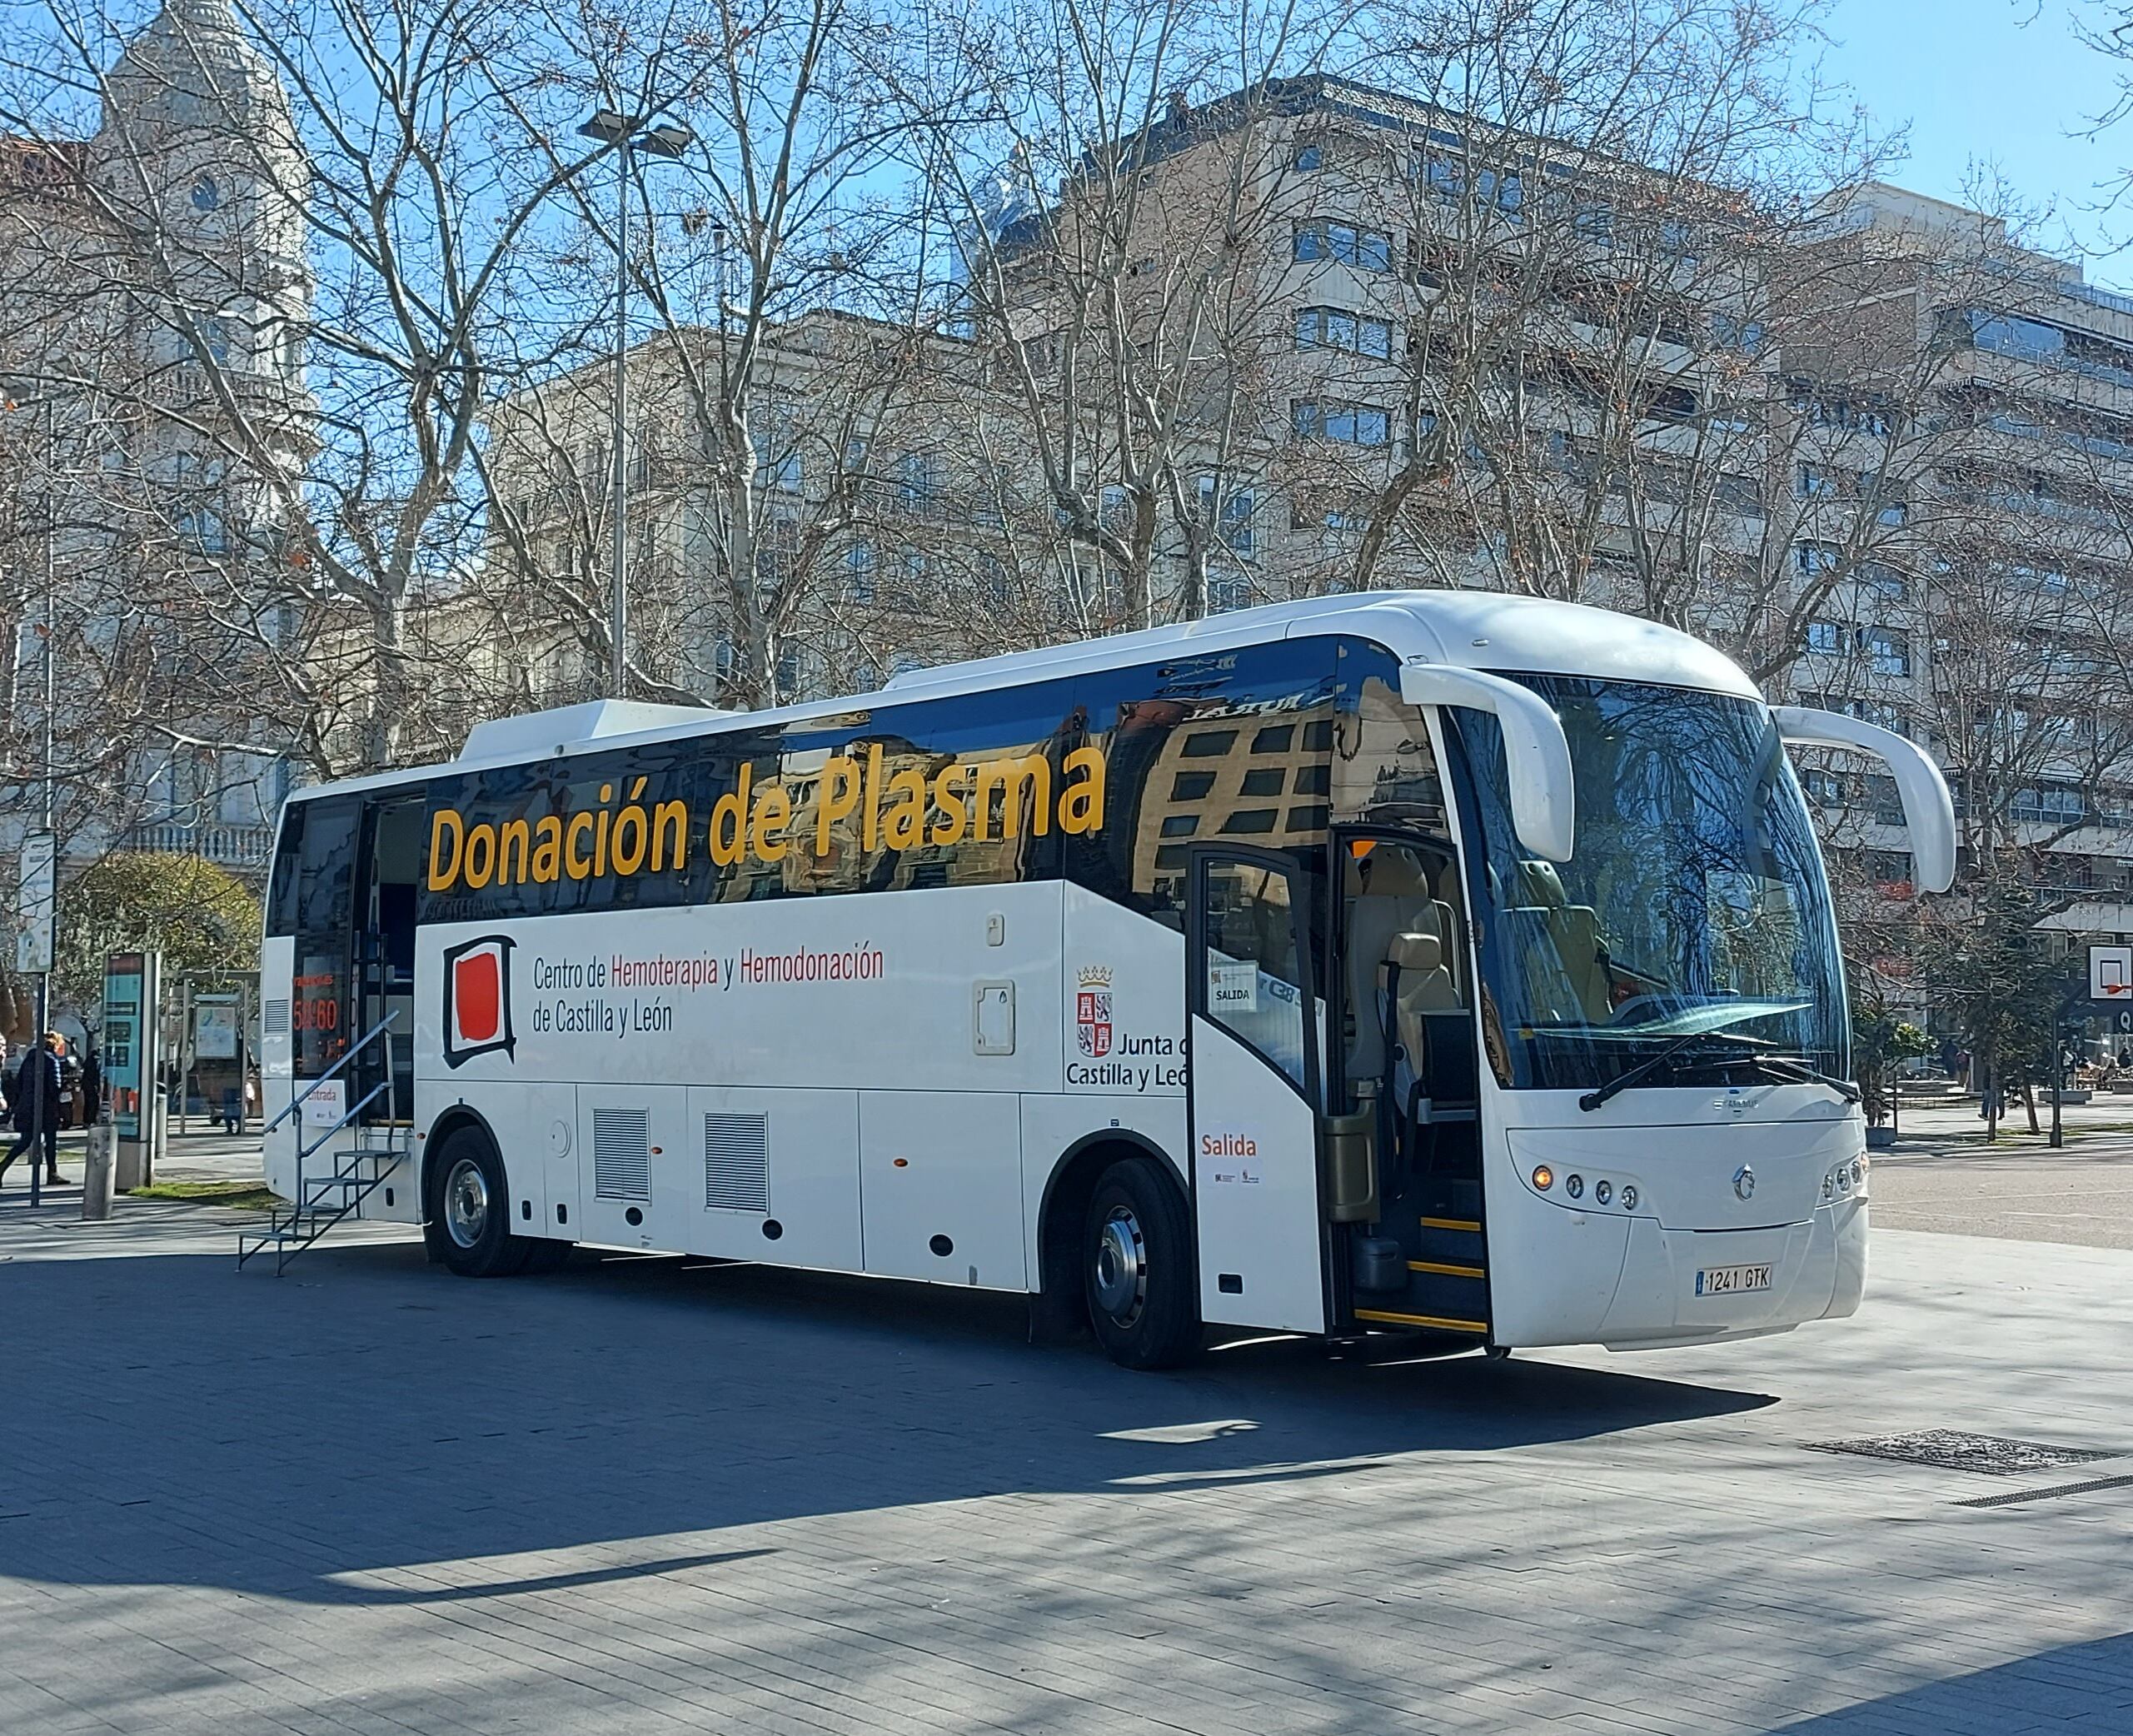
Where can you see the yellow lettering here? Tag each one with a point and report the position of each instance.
(670, 820)
(773, 814)
(729, 839)
(573, 861)
(599, 837)
(480, 856)
(441, 878)
(632, 838)
(1081, 805)
(904, 827)
(512, 833)
(547, 850)
(870, 821)
(1013, 777)
(836, 796)
(948, 798)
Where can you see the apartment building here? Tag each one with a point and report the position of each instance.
(1882, 453)
(125, 514)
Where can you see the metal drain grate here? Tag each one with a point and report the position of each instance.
(2015, 1498)
(1951, 1449)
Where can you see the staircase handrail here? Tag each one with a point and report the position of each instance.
(298, 1101)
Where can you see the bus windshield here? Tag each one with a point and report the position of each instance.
(1694, 905)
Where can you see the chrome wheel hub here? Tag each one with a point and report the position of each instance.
(466, 1203)
(1121, 1272)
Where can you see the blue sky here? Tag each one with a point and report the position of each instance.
(1991, 82)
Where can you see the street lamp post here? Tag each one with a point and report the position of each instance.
(628, 135)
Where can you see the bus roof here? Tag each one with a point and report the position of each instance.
(1473, 629)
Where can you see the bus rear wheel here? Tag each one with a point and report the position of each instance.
(470, 1210)
(1137, 1266)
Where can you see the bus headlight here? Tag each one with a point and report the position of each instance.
(1629, 1196)
(1603, 1193)
(1544, 1177)
(1574, 1185)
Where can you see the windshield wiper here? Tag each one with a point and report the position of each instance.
(1790, 1067)
(1667, 1057)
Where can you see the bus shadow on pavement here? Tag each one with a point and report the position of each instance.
(368, 1413)
(2087, 1686)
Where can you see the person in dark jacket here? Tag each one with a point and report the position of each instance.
(92, 1088)
(35, 1100)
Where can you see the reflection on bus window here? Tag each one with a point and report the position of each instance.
(1684, 910)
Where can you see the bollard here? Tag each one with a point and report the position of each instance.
(95, 1175)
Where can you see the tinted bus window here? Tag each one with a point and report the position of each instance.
(1201, 748)
(315, 868)
(971, 789)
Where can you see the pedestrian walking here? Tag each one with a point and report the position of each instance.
(92, 1087)
(35, 1108)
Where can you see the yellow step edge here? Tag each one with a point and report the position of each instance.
(1468, 1224)
(1420, 1319)
(1449, 1271)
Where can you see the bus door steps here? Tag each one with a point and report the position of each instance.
(1446, 1281)
(323, 1200)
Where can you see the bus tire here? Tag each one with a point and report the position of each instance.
(469, 1207)
(1137, 1268)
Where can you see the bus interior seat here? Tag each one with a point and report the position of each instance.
(1433, 1031)
(1389, 896)
(1566, 979)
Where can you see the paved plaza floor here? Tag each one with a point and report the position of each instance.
(651, 1496)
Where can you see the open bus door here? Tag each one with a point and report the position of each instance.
(382, 949)
(1256, 1070)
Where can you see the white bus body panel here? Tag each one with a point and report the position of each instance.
(1564, 1271)
(1255, 1191)
(278, 970)
(896, 1107)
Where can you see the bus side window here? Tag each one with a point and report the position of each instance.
(282, 901)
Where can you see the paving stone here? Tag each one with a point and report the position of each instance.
(369, 1499)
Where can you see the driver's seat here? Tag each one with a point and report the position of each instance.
(1572, 934)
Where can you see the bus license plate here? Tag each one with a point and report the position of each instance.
(1730, 1280)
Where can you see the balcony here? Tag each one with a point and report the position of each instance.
(237, 847)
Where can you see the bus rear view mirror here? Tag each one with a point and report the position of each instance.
(1535, 753)
(1929, 813)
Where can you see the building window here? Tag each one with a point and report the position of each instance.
(1826, 789)
(1745, 336)
(1813, 482)
(914, 483)
(1812, 559)
(1888, 650)
(859, 572)
(1232, 527)
(1310, 156)
(1366, 250)
(1340, 421)
(1884, 580)
(1825, 638)
(1191, 785)
(1336, 328)
(206, 195)
(774, 467)
(1226, 593)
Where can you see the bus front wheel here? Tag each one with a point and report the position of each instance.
(470, 1210)
(1137, 1266)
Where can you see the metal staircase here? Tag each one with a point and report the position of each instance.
(348, 1160)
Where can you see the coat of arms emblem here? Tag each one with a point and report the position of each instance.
(1092, 1011)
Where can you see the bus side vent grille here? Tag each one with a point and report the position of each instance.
(274, 1018)
(737, 1164)
(622, 1154)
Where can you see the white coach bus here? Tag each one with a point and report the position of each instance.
(1436, 962)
